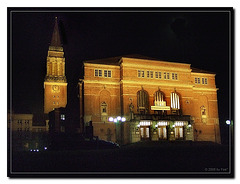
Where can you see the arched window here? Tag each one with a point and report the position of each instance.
(175, 103)
(159, 99)
(142, 101)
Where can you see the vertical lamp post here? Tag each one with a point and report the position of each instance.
(118, 123)
(230, 124)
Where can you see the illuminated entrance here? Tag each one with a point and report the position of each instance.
(162, 130)
(145, 130)
(179, 131)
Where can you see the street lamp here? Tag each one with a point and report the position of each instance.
(228, 122)
(118, 127)
(117, 119)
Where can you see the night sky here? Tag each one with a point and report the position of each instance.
(198, 38)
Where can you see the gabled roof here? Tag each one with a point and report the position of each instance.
(56, 41)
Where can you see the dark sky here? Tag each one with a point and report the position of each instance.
(197, 38)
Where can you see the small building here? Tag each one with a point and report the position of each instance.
(26, 133)
(20, 122)
(132, 98)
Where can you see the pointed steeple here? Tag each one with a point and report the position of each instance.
(56, 41)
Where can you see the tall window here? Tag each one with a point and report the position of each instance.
(159, 99)
(105, 73)
(151, 74)
(175, 103)
(142, 101)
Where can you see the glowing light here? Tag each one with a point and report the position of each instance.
(45, 148)
(115, 120)
(173, 126)
(37, 150)
(118, 118)
(228, 122)
(123, 119)
(31, 150)
(110, 119)
(189, 125)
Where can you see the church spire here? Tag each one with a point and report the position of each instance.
(56, 42)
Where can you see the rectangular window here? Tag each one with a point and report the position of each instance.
(159, 75)
(109, 73)
(139, 73)
(156, 75)
(198, 80)
(206, 82)
(96, 73)
(151, 74)
(174, 76)
(164, 75)
(148, 74)
(100, 73)
(142, 73)
(168, 77)
(105, 73)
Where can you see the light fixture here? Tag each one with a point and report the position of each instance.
(110, 119)
(123, 119)
(228, 122)
(115, 120)
(189, 125)
(118, 118)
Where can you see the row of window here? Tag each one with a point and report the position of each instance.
(57, 103)
(199, 81)
(103, 73)
(20, 121)
(158, 75)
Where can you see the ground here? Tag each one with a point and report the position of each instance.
(162, 157)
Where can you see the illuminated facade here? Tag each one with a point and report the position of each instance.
(159, 100)
(55, 83)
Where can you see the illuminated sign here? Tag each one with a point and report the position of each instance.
(160, 108)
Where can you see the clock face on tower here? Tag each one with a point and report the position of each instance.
(55, 88)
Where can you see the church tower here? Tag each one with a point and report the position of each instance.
(55, 83)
